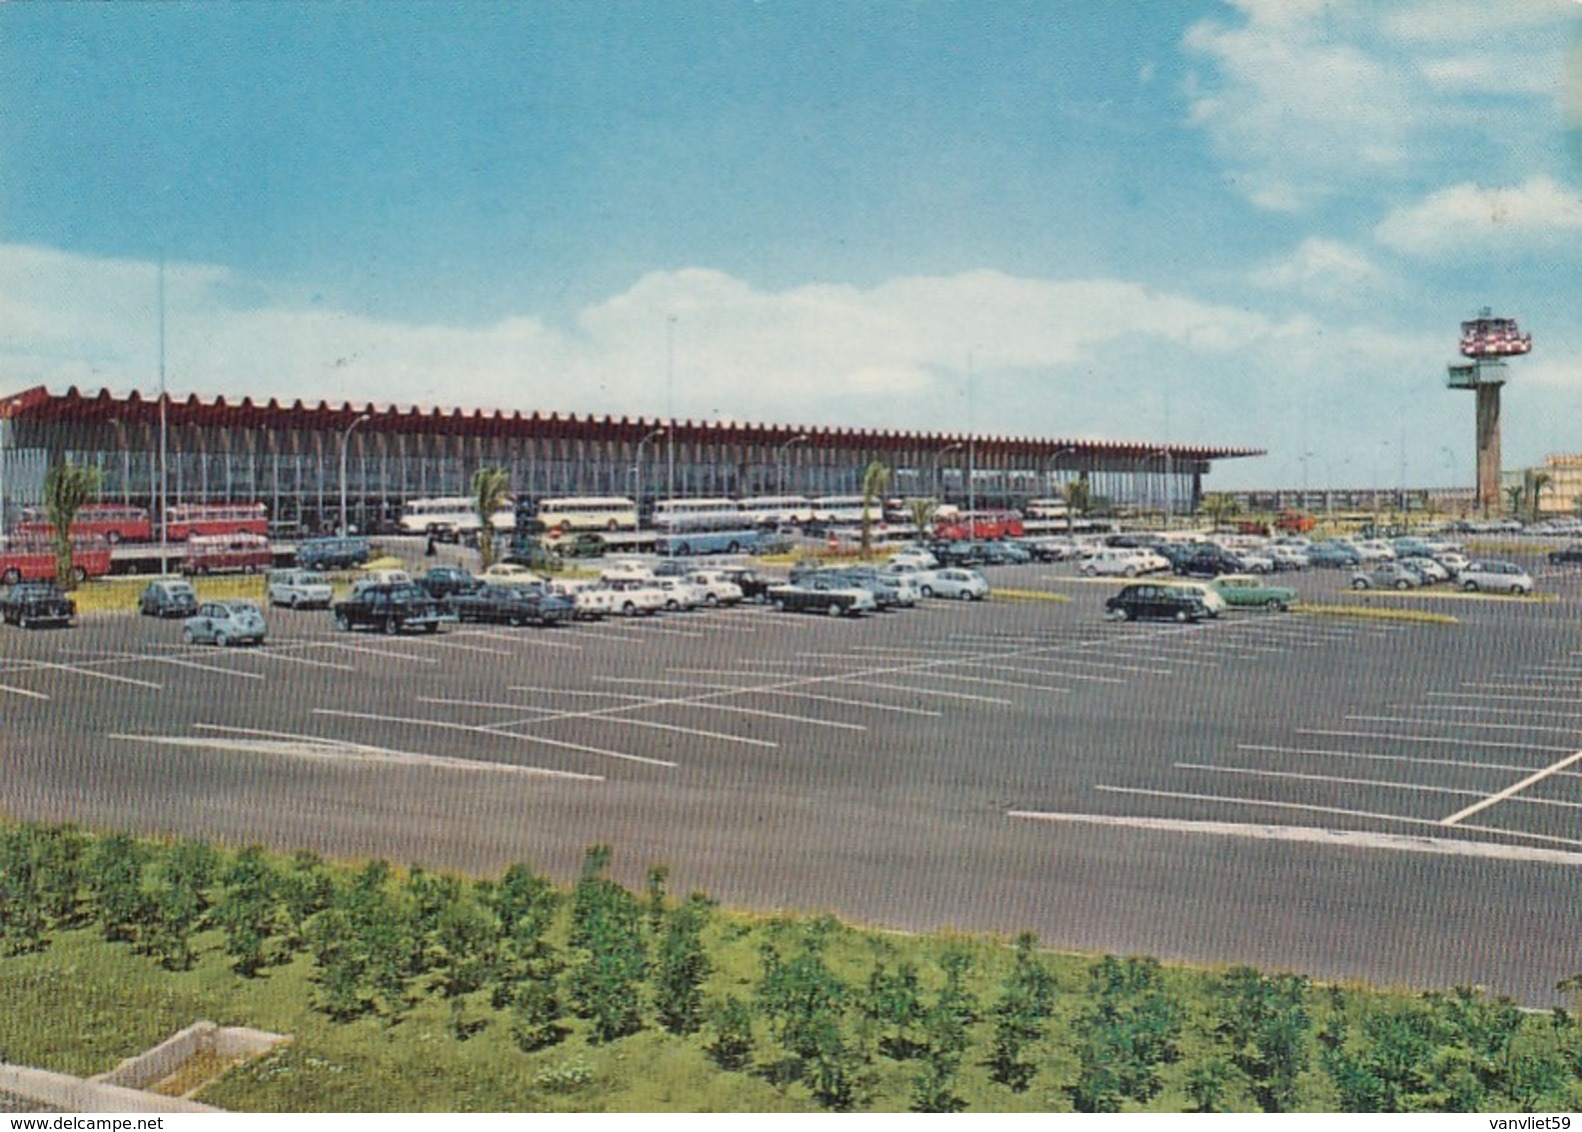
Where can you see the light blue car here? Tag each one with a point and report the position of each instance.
(225, 622)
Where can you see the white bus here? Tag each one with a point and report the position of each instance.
(582, 513)
(697, 514)
(838, 509)
(1045, 509)
(419, 516)
(778, 510)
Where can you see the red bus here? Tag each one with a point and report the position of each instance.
(113, 522)
(980, 524)
(187, 519)
(33, 560)
(244, 551)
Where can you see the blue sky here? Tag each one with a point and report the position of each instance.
(1251, 223)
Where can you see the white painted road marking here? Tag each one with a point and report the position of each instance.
(495, 731)
(1514, 789)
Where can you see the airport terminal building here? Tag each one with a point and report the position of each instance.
(296, 458)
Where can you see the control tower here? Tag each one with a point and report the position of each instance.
(1487, 341)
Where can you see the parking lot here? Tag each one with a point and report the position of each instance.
(1350, 797)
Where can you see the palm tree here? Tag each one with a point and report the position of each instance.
(922, 513)
(1077, 497)
(1515, 493)
(1538, 481)
(490, 489)
(874, 480)
(66, 488)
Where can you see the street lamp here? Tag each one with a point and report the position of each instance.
(1043, 472)
(933, 469)
(780, 471)
(345, 437)
(637, 464)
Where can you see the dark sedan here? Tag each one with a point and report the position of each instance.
(1568, 556)
(443, 581)
(1152, 601)
(30, 604)
(511, 605)
(1210, 564)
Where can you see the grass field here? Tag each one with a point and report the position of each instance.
(834, 1016)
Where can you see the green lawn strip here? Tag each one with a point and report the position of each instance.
(1161, 1038)
(1369, 613)
(1027, 595)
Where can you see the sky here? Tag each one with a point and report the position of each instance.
(1248, 223)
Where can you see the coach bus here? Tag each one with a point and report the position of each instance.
(31, 559)
(183, 520)
(697, 515)
(981, 524)
(455, 513)
(578, 513)
(113, 522)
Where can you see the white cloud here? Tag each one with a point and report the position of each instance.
(1308, 101)
(1322, 268)
(1538, 216)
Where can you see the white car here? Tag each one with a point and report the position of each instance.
(922, 577)
(915, 557)
(968, 585)
(510, 574)
(1453, 561)
(717, 588)
(1287, 556)
(1120, 562)
(300, 589)
(589, 599)
(1374, 550)
(1495, 577)
(632, 596)
(626, 570)
(1435, 571)
(679, 593)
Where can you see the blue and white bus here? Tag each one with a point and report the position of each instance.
(683, 543)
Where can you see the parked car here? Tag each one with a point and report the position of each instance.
(1496, 577)
(224, 623)
(1289, 557)
(442, 581)
(967, 585)
(921, 577)
(1206, 593)
(889, 591)
(1385, 575)
(1244, 590)
(28, 605)
(168, 597)
(754, 586)
(583, 544)
(510, 574)
(1431, 570)
(1211, 563)
(1333, 554)
(1155, 601)
(390, 608)
(626, 569)
(822, 595)
(511, 605)
(636, 595)
(590, 600)
(299, 589)
(1453, 561)
(333, 553)
(1567, 556)
(1120, 561)
(717, 587)
(679, 593)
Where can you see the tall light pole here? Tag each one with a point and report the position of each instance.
(637, 465)
(933, 473)
(670, 408)
(5, 436)
(780, 471)
(1043, 474)
(345, 438)
(164, 434)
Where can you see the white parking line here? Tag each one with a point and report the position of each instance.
(732, 687)
(1516, 788)
(937, 675)
(176, 661)
(533, 638)
(495, 731)
(1254, 772)
(647, 625)
(276, 652)
(937, 692)
(470, 648)
(23, 692)
(865, 704)
(575, 692)
(481, 704)
(1490, 696)
(1122, 648)
(1415, 759)
(1340, 838)
(720, 736)
(1517, 711)
(711, 706)
(1551, 687)
(1425, 739)
(371, 651)
(1026, 671)
(595, 634)
(1463, 723)
(80, 671)
(339, 748)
